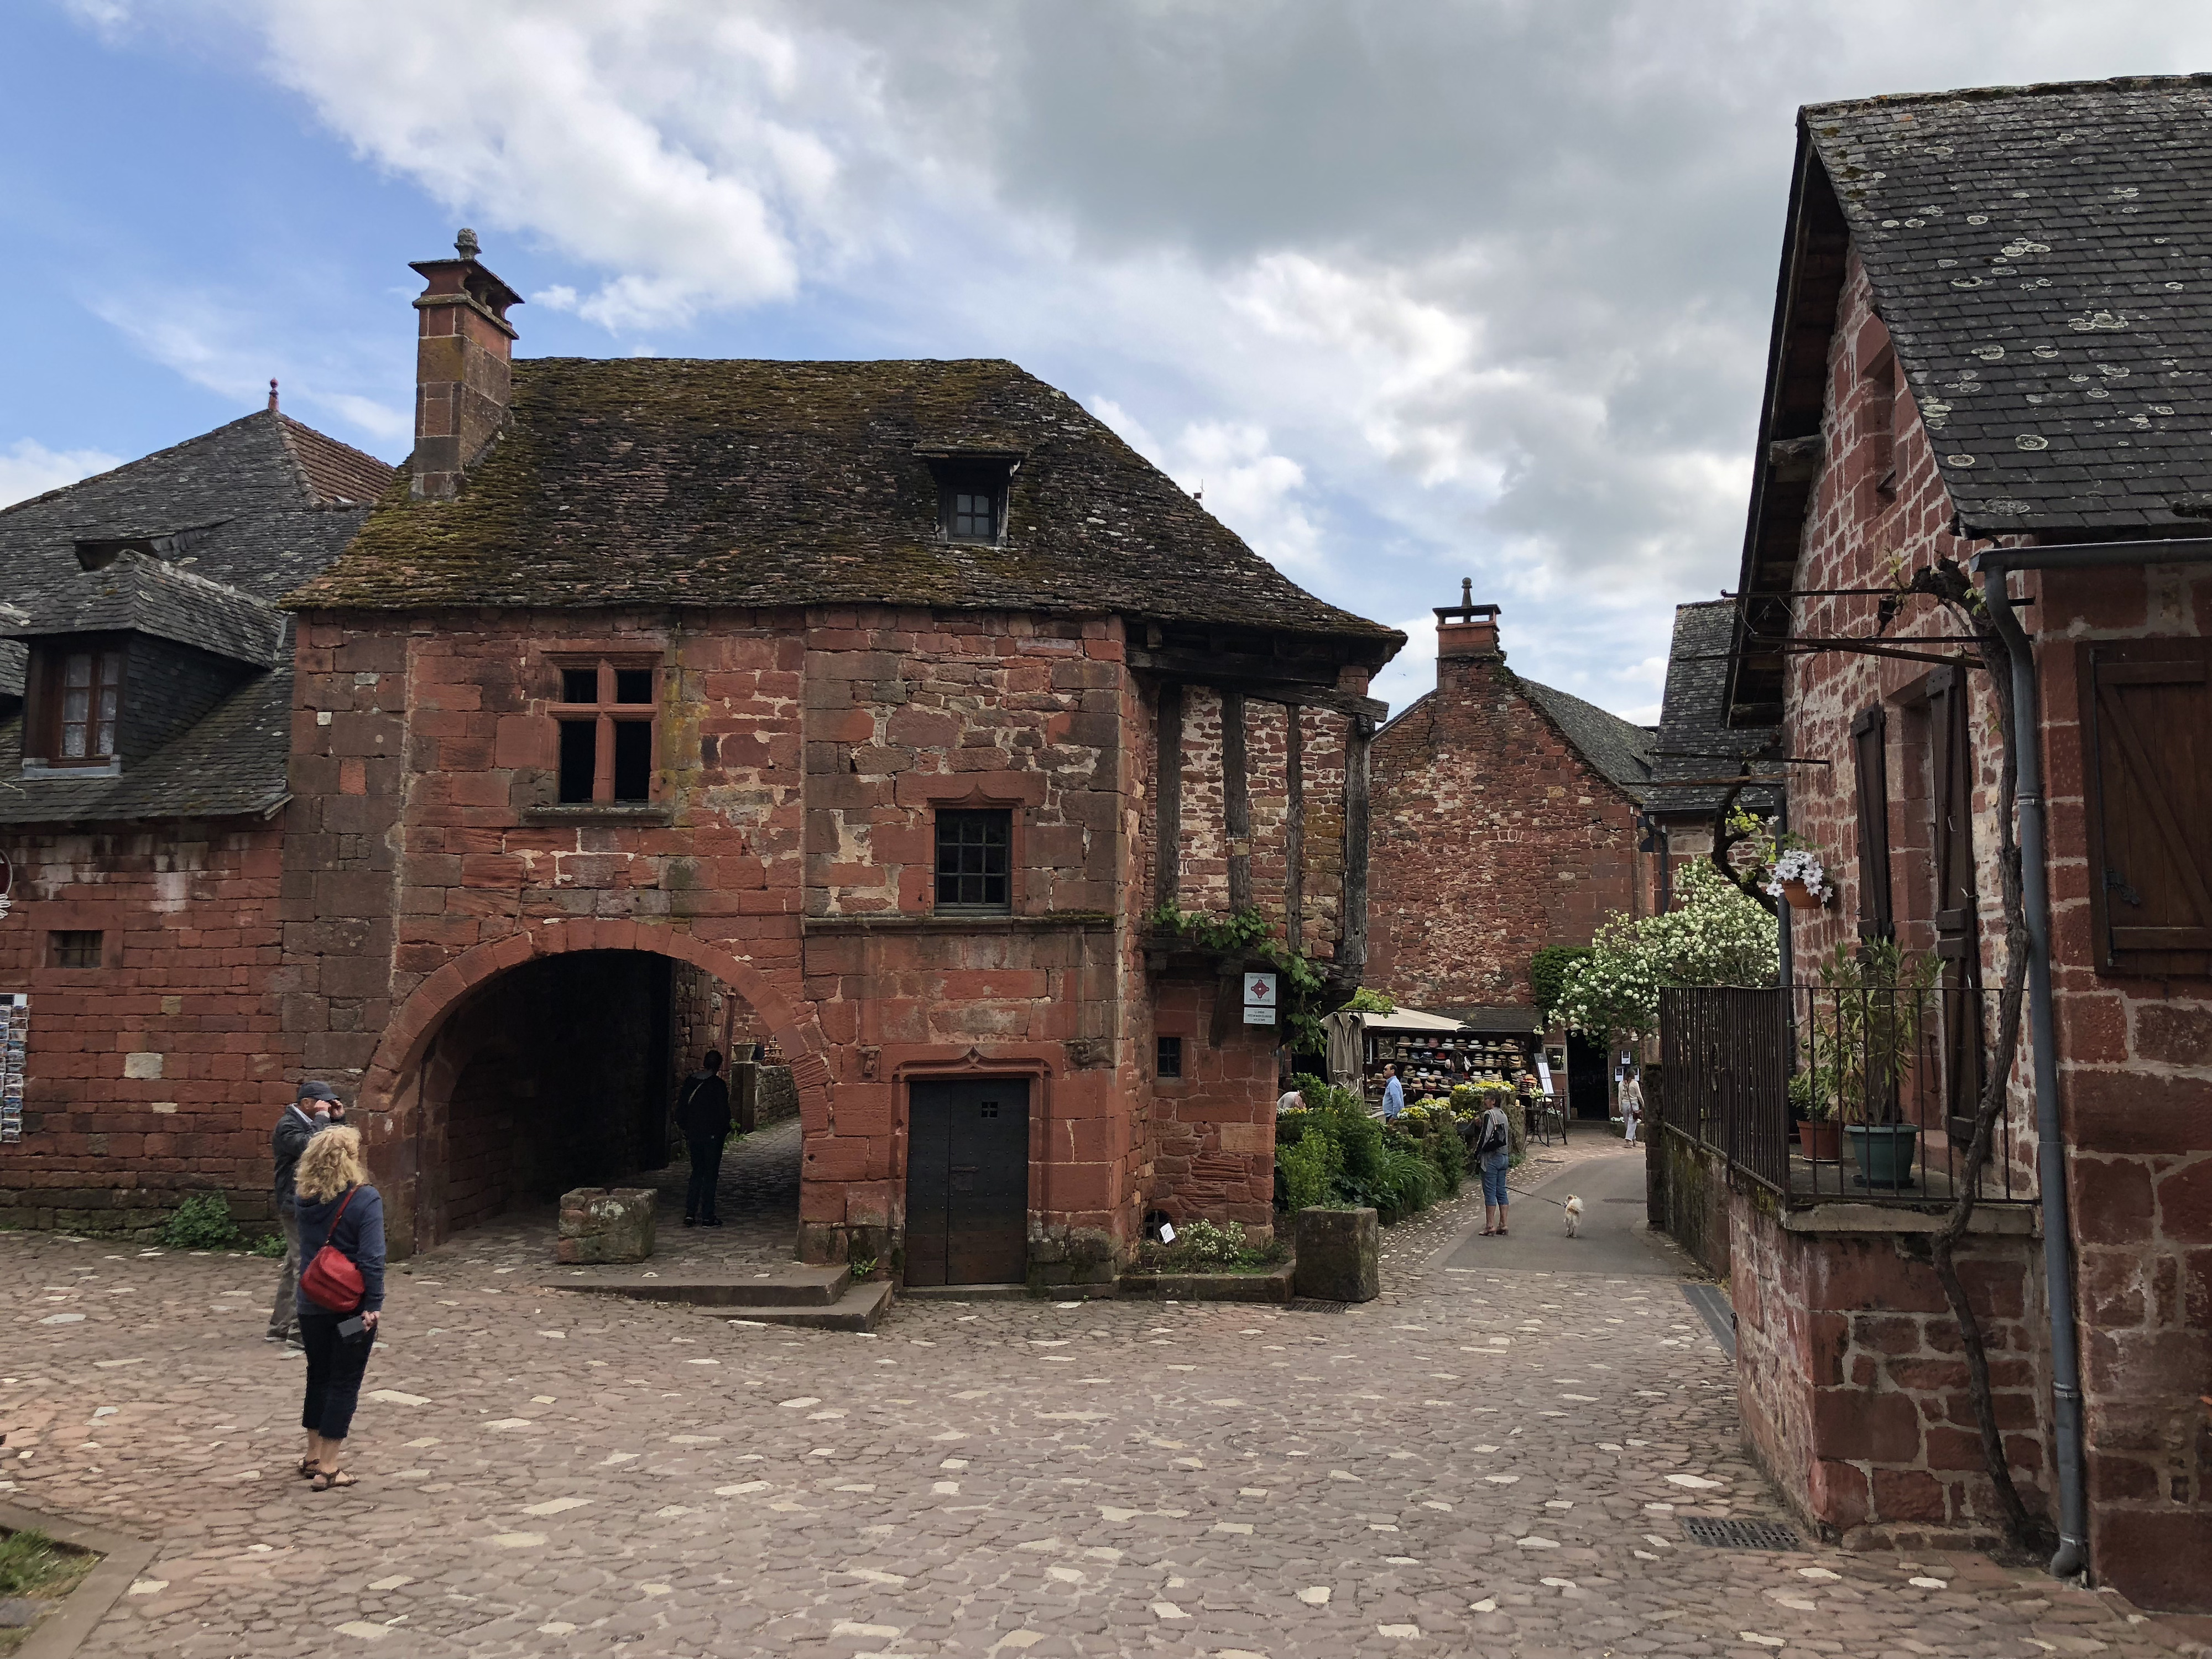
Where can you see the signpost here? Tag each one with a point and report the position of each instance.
(1258, 999)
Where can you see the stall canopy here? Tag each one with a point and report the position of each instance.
(1412, 1019)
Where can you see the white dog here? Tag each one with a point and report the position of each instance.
(1574, 1208)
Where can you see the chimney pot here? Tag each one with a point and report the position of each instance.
(466, 244)
(1466, 630)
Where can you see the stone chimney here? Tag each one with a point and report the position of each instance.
(463, 360)
(1467, 632)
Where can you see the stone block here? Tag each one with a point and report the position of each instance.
(1338, 1256)
(605, 1224)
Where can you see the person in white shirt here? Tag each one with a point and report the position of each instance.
(1632, 1106)
(1292, 1100)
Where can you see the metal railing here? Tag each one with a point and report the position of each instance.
(1826, 1092)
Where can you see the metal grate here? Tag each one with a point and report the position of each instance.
(1308, 1305)
(1739, 1535)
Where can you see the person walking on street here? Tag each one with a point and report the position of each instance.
(302, 1119)
(703, 1113)
(1493, 1156)
(1631, 1106)
(338, 1208)
(1394, 1091)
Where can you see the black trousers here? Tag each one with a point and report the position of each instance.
(334, 1372)
(706, 1171)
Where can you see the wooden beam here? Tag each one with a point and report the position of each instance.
(1235, 798)
(1294, 827)
(1256, 676)
(1167, 807)
(1358, 737)
(1213, 667)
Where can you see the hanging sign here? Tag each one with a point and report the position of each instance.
(1258, 999)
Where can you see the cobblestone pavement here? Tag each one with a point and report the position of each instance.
(1473, 1464)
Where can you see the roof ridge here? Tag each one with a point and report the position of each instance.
(2023, 89)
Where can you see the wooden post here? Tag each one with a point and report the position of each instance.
(1294, 826)
(1358, 735)
(1167, 784)
(1235, 798)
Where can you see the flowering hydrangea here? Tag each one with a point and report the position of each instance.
(1799, 864)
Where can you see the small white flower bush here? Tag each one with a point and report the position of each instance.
(1799, 864)
(1714, 936)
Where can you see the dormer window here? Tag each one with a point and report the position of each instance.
(971, 496)
(78, 689)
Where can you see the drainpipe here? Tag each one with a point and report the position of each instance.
(2073, 1555)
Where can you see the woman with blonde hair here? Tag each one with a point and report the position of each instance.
(341, 1292)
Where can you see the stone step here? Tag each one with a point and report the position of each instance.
(858, 1310)
(791, 1287)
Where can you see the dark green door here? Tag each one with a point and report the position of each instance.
(968, 1183)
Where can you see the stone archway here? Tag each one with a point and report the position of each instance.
(409, 1078)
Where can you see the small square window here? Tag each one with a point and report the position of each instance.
(580, 685)
(1168, 1062)
(633, 686)
(973, 860)
(74, 948)
(971, 504)
(989, 1108)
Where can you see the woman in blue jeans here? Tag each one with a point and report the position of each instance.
(1493, 1156)
(338, 1208)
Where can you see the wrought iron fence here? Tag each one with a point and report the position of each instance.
(1836, 1092)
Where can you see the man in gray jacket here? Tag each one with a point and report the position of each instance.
(310, 1112)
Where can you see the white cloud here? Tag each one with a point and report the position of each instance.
(29, 468)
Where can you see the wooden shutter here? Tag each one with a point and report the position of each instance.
(1871, 764)
(1958, 931)
(2147, 754)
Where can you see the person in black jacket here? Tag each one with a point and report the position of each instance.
(703, 1113)
(302, 1119)
(338, 1208)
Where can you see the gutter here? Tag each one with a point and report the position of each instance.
(2072, 1558)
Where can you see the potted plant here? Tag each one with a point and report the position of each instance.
(1882, 997)
(1798, 875)
(1815, 1101)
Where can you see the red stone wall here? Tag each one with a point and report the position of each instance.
(1213, 1130)
(161, 1072)
(1492, 837)
(1852, 1379)
(2134, 1055)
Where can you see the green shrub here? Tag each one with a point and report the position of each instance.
(1448, 1153)
(1307, 1165)
(270, 1246)
(1408, 1181)
(1203, 1247)
(202, 1222)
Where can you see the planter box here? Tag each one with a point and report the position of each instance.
(1262, 1285)
(1338, 1256)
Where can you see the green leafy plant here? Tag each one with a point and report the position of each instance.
(268, 1246)
(202, 1222)
(1202, 1246)
(862, 1266)
(1715, 935)
(32, 1564)
(1548, 975)
(1881, 1001)
(1365, 1001)
(1308, 1167)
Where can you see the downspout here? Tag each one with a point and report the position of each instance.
(2073, 1555)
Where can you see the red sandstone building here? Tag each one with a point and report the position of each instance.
(1988, 348)
(1506, 818)
(884, 701)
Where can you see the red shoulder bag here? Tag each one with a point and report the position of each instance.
(332, 1281)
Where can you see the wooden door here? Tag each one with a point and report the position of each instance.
(1958, 931)
(968, 1181)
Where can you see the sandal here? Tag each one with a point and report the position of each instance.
(326, 1479)
(306, 1468)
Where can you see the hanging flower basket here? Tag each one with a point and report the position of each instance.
(1797, 875)
(1800, 896)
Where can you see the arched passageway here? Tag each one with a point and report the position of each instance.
(561, 1072)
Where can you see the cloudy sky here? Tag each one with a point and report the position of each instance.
(1417, 289)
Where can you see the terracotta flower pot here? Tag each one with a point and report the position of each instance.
(1822, 1143)
(1799, 895)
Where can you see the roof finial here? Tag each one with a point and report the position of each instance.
(273, 394)
(1466, 591)
(465, 243)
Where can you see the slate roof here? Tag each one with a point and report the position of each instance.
(662, 481)
(265, 504)
(2041, 256)
(1693, 725)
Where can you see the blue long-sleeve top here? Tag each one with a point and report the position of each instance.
(360, 1236)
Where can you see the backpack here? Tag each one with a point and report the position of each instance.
(1496, 1136)
(332, 1281)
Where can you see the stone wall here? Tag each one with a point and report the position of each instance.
(1211, 1143)
(1853, 1384)
(163, 1071)
(1492, 838)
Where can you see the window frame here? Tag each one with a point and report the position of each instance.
(47, 691)
(57, 950)
(604, 714)
(1010, 816)
(1161, 1070)
(960, 476)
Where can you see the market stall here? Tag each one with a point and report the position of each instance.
(1434, 1053)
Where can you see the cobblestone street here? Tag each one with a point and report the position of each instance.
(1480, 1462)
